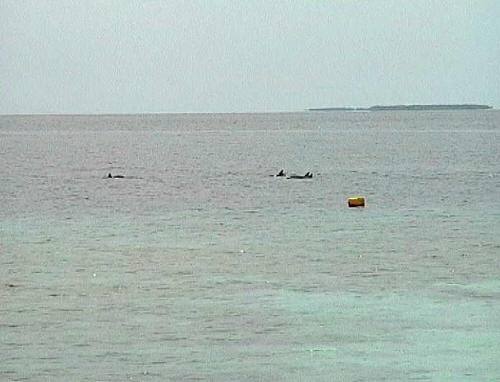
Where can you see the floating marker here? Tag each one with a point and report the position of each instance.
(356, 201)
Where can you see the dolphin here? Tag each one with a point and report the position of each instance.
(281, 173)
(308, 175)
(115, 176)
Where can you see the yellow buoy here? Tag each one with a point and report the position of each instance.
(356, 201)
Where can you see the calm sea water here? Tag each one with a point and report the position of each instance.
(199, 265)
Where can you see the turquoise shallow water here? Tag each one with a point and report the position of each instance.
(199, 265)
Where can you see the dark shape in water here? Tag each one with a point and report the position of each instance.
(308, 175)
(281, 173)
(115, 176)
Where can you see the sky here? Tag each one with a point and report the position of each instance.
(170, 56)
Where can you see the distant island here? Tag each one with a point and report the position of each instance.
(405, 107)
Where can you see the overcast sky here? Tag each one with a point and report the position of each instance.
(138, 56)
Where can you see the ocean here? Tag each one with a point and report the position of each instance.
(201, 265)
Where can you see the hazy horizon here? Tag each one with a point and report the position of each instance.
(153, 56)
(309, 110)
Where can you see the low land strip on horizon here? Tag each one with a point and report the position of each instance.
(405, 107)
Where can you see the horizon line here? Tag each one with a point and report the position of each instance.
(150, 113)
(306, 110)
